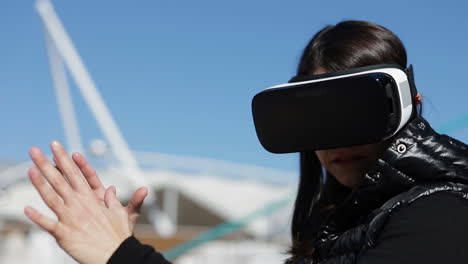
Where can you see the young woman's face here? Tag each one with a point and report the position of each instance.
(348, 165)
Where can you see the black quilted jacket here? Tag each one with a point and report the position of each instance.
(418, 163)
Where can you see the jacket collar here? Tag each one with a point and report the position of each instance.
(416, 155)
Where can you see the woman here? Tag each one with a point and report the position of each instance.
(399, 201)
(375, 210)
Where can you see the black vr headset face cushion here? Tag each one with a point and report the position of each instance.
(307, 116)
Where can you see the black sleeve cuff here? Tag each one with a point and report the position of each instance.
(132, 251)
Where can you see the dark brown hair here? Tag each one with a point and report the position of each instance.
(348, 44)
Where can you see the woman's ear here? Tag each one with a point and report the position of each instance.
(417, 99)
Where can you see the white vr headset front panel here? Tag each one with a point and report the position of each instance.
(398, 75)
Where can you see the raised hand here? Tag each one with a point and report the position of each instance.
(88, 229)
(133, 207)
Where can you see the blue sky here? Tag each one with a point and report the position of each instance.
(179, 76)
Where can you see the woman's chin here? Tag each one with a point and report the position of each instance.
(349, 179)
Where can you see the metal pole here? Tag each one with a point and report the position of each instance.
(89, 91)
(64, 100)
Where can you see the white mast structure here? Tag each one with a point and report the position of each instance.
(64, 100)
(62, 53)
(61, 48)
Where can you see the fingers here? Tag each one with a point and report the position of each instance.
(68, 167)
(137, 199)
(57, 166)
(48, 195)
(53, 176)
(89, 172)
(41, 220)
(110, 199)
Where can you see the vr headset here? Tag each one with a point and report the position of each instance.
(353, 107)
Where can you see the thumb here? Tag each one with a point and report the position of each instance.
(136, 201)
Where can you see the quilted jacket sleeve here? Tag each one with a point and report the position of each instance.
(132, 251)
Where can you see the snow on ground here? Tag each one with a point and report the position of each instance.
(34, 247)
(236, 252)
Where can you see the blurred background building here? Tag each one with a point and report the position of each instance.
(202, 216)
